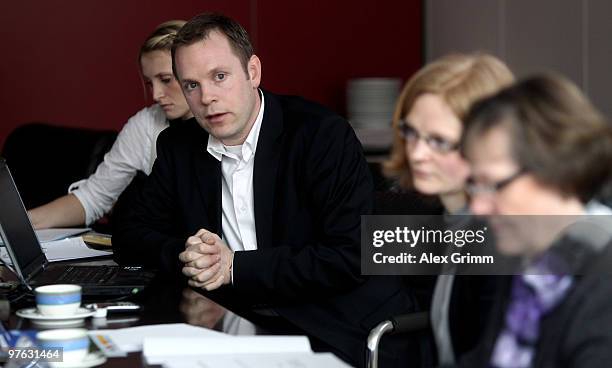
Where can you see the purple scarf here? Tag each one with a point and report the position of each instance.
(533, 295)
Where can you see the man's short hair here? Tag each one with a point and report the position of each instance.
(557, 134)
(199, 28)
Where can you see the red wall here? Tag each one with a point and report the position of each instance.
(73, 62)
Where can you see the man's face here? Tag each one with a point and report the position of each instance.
(521, 209)
(223, 98)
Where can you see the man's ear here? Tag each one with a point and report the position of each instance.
(254, 71)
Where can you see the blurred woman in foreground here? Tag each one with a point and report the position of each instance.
(539, 148)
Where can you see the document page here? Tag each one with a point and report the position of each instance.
(46, 235)
(131, 339)
(62, 250)
(280, 360)
(157, 350)
(71, 248)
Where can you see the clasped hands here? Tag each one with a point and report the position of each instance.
(207, 260)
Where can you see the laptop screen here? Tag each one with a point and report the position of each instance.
(16, 230)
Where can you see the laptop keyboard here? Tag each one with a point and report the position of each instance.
(89, 274)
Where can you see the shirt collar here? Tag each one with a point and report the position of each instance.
(217, 149)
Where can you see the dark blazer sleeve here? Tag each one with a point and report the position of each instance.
(588, 341)
(149, 231)
(578, 333)
(336, 185)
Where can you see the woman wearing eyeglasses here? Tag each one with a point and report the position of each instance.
(428, 123)
(539, 149)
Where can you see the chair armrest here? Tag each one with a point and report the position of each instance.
(405, 323)
(412, 322)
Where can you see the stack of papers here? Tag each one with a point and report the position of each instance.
(156, 350)
(236, 351)
(181, 345)
(131, 339)
(272, 360)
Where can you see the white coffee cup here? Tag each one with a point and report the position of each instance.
(73, 342)
(58, 300)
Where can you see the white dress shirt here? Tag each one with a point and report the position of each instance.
(238, 212)
(133, 150)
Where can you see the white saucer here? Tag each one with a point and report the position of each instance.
(55, 321)
(92, 359)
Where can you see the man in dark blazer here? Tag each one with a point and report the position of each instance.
(286, 243)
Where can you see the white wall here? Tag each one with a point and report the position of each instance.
(572, 37)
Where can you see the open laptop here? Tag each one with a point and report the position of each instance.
(31, 265)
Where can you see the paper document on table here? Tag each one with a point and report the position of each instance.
(280, 360)
(46, 235)
(159, 349)
(71, 248)
(131, 339)
(62, 250)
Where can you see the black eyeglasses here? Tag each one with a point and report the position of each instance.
(438, 144)
(474, 188)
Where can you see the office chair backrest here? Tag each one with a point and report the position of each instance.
(45, 159)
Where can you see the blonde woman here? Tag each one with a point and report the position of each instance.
(428, 122)
(425, 158)
(134, 149)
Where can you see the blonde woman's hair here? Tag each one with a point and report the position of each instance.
(162, 37)
(460, 80)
